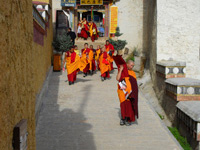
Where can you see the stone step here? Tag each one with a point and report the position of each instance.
(80, 43)
(183, 89)
(171, 69)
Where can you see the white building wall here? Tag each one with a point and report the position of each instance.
(178, 33)
(56, 5)
(130, 21)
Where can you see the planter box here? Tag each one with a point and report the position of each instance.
(57, 61)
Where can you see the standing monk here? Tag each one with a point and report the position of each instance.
(85, 29)
(84, 64)
(98, 51)
(127, 92)
(110, 50)
(72, 65)
(104, 65)
(93, 30)
(93, 59)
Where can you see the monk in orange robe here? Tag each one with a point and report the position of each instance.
(85, 29)
(93, 67)
(110, 50)
(104, 65)
(72, 65)
(97, 54)
(85, 60)
(125, 92)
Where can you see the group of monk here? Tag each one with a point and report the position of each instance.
(88, 60)
(87, 29)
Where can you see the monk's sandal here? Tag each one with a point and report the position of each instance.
(122, 122)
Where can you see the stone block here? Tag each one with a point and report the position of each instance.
(171, 69)
(183, 89)
(189, 114)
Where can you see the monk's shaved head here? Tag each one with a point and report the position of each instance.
(130, 64)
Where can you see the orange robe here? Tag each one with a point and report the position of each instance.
(98, 51)
(110, 47)
(104, 65)
(125, 104)
(72, 65)
(90, 58)
(84, 65)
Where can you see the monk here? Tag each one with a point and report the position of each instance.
(133, 97)
(93, 60)
(85, 29)
(110, 50)
(127, 92)
(85, 63)
(72, 65)
(97, 54)
(93, 30)
(104, 65)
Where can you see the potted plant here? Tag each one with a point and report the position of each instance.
(61, 44)
(118, 44)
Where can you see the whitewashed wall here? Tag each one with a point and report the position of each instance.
(130, 21)
(178, 33)
(56, 5)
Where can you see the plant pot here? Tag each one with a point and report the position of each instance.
(57, 61)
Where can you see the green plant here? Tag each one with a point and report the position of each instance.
(161, 116)
(62, 43)
(130, 57)
(117, 33)
(118, 44)
(183, 141)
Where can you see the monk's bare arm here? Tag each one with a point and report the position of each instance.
(64, 61)
(119, 73)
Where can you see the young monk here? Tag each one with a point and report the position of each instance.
(104, 65)
(125, 93)
(72, 65)
(93, 59)
(110, 51)
(98, 51)
(85, 63)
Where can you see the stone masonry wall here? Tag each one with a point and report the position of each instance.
(23, 70)
(130, 21)
(178, 33)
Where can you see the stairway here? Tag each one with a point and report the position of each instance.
(80, 42)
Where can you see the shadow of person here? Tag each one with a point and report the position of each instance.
(63, 129)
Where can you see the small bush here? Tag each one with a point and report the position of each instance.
(183, 141)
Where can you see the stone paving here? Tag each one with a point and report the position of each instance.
(85, 116)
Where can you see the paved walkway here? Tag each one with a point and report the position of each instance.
(85, 116)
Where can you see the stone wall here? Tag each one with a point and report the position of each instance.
(130, 21)
(178, 33)
(23, 70)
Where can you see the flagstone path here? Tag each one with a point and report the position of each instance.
(85, 116)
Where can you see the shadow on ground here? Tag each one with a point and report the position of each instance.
(63, 129)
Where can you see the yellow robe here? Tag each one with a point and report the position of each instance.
(72, 66)
(103, 67)
(120, 92)
(83, 61)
